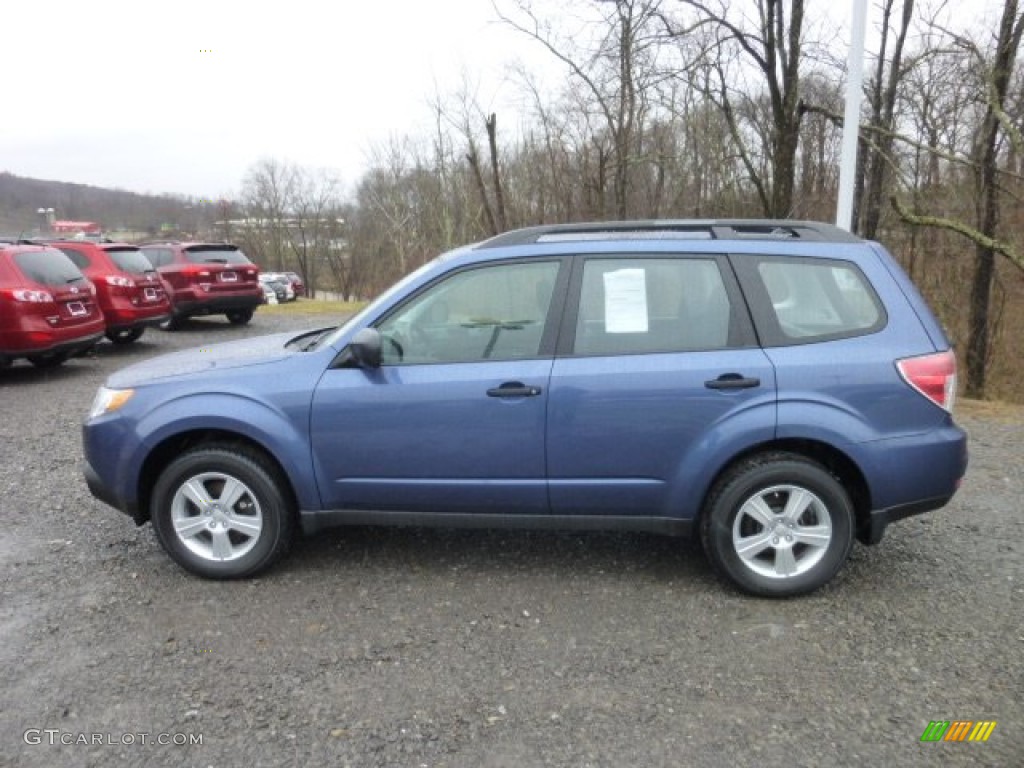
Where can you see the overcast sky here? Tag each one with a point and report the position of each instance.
(184, 96)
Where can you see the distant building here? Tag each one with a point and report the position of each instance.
(76, 228)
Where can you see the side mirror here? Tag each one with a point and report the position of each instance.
(365, 348)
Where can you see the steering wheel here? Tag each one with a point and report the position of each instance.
(396, 345)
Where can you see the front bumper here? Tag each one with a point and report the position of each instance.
(105, 494)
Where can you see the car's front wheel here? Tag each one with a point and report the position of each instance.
(239, 316)
(222, 512)
(778, 525)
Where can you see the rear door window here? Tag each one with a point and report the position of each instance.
(646, 305)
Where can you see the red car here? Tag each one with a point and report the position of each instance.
(48, 308)
(207, 279)
(127, 286)
(297, 284)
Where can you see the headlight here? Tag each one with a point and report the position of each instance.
(108, 401)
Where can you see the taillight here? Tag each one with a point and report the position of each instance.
(119, 281)
(33, 297)
(934, 376)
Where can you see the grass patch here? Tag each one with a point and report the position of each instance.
(994, 410)
(312, 307)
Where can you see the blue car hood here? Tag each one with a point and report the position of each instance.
(209, 359)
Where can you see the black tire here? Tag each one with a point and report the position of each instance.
(238, 538)
(49, 360)
(172, 323)
(239, 316)
(125, 335)
(787, 554)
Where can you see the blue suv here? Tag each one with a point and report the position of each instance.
(778, 388)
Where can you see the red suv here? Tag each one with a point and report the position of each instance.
(128, 287)
(48, 309)
(207, 279)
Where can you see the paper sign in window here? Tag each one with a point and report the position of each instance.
(625, 301)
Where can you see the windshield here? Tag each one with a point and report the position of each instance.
(49, 267)
(130, 260)
(216, 255)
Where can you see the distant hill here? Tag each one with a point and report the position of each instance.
(115, 209)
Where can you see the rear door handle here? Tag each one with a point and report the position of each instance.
(732, 381)
(513, 389)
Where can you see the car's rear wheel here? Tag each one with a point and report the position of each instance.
(49, 359)
(239, 316)
(222, 512)
(778, 525)
(172, 323)
(125, 335)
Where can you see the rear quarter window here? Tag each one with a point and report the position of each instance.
(130, 260)
(80, 259)
(158, 257)
(805, 300)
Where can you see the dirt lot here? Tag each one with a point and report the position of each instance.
(436, 648)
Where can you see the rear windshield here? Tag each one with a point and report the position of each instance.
(215, 255)
(130, 260)
(49, 267)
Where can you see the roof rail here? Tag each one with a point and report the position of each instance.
(676, 229)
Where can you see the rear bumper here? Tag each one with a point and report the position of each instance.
(126, 324)
(873, 529)
(216, 305)
(913, 475)
(70, 347)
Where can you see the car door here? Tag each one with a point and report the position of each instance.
(663, 358)
(454, 418)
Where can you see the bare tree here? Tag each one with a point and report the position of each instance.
(613, 60)
(771, 45)
(268, 196)
(995, 67)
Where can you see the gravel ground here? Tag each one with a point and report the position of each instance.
(459, 648)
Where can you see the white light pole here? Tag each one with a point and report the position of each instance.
(851, 117)
(46, 218)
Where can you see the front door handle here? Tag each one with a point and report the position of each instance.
(513, 389)
(732, 381)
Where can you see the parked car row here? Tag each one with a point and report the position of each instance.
(278, 287)
(58, 297)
